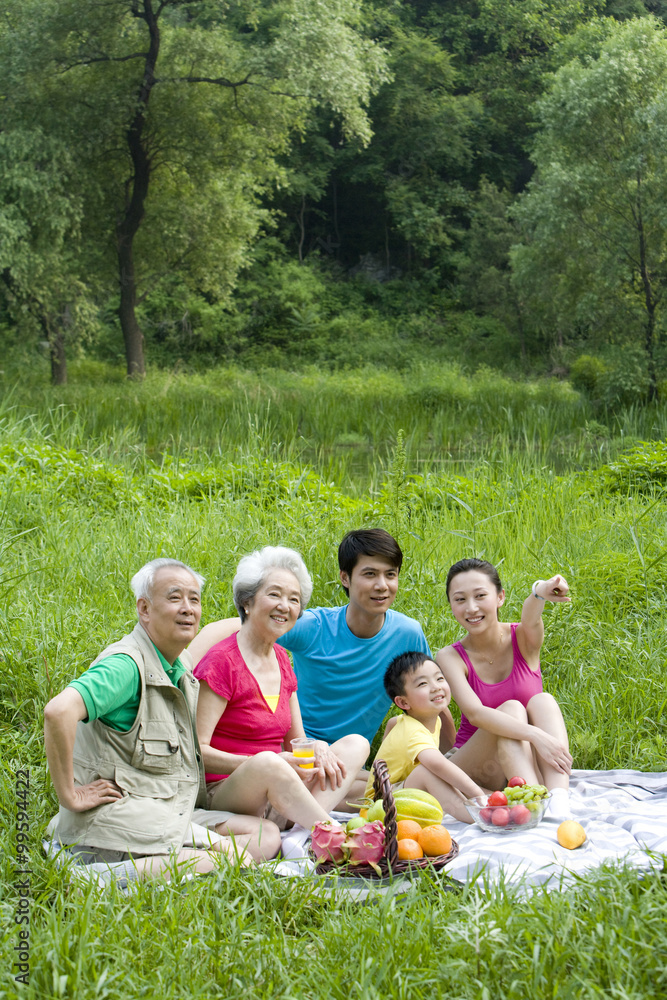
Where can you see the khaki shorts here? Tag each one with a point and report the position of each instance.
(269, 813)
(85, 854)
(200, 835)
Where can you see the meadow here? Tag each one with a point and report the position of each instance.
(102, 475)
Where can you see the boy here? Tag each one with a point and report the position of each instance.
(411, 745)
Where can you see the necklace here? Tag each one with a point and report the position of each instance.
(500, 642)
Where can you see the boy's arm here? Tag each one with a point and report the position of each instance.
(447, 731)
(447, 771)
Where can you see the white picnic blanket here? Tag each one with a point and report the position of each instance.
(624, 814)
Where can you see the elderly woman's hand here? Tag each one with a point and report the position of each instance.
(329, 766)
(307, 774)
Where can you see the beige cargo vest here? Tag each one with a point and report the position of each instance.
(156, 763)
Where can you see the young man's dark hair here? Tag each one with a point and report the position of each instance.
(400, 667)
(368, 542)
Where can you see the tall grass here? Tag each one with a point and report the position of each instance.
(99, 478)
(343, 423)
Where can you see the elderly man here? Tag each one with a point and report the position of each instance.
(122, 748)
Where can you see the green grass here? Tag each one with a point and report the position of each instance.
(343, 423)
(101, 476)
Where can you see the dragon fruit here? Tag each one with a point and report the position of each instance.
(327, 842)
(365, 845)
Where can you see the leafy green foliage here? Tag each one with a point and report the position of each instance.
(174, 124)
(586, 374)
(594, 218)
(643, 467)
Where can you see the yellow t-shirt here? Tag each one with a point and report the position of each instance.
(272, 701)
(402, 746)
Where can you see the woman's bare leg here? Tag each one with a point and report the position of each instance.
(352, 751)
(491, 760)
(516, 757)
(266, 777)
(544, 711)
(187, 860)
(259, 837)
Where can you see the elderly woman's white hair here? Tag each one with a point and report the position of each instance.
(142, 581)
(252, 570)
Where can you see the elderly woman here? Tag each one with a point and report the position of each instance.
(248, 711)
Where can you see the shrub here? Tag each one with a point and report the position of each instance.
(644, 467)
(586, 373)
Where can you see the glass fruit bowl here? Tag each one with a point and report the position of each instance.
(509, 818)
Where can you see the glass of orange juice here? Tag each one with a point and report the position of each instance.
(304, 747)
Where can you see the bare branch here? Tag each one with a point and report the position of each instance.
(222, 81)
(97, 59)
(219, 81)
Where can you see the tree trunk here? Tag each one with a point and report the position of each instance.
(56, 340)
(302, 227)
(128, 224)
(519, 325)
(132, 335)
(649, 298)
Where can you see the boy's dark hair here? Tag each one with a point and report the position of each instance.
(481, 565)
(368, 542)
(400, 667)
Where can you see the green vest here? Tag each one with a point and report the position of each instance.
(157, 763)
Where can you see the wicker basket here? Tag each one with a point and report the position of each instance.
(390, 864)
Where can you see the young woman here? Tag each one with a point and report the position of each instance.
(509, 725)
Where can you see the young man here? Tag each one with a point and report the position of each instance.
(341, 654)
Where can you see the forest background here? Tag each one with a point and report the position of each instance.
(345, 183)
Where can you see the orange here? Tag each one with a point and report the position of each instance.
(408, 828)
(363, 813)
(409, 850)
(434, 840)
(570, 834)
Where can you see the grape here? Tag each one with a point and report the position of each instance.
(529, 795)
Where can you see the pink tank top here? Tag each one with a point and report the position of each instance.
(521, 685)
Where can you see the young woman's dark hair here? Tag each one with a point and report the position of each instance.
(400, 667)
(481, 565)
(368, 542)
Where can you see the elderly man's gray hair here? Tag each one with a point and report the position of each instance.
(252, 570)
(142, 582)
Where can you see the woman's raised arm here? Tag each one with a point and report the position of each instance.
(530, 631)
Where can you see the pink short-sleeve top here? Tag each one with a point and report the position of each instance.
(521, 685)
(248, 725)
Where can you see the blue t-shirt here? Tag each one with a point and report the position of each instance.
(340, 676)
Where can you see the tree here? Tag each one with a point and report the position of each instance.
(175, 112)
(503, 51)
(39, 216)
(484, 268)
(402, 196)
(594, 252)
